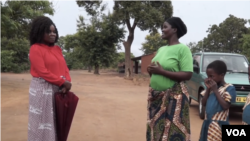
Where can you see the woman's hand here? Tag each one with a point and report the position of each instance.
(148, 68)
(149, 71)
(66, 86)
(155, 69)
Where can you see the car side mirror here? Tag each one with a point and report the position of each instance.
(196, 69)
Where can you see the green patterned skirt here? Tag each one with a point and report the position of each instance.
(168, 114)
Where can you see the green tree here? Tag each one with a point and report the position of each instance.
(17, 16)
(71, 42)
(146, 15)
(195, 47)
(14, 54)
(98, 42)
(7, 60)
(5, 20)
(91, 7)
(226, 36)
(246, 45)
(61, 42)
(73, 61)
(153, 43)
(121, 57)
(70, 45)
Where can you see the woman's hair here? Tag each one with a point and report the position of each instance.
(176, 22)
(39, 26)
(218, 66)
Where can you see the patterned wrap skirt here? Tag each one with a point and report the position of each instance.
(211, 130)
(246, 112)
(42, 122)
(168, 114)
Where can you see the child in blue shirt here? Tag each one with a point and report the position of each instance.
(217, 99)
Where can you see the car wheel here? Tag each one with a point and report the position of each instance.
(201, 108)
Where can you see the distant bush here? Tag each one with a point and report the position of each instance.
(14, 55)
(72, 61)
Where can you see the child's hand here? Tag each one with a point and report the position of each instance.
(207, 83)
(213, 85)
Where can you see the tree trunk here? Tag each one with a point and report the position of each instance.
(127, 60)
(89, 68)
(96, 69)
(127, 46)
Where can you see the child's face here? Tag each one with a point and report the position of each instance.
(214, 76)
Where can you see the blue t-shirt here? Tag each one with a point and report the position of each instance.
(213, 106)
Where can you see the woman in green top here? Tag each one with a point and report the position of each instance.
(168, 107)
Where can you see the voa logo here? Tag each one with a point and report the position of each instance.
(236, 132)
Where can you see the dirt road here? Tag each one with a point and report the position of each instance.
(110, 108)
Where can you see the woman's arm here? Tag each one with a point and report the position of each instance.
(176, 76)
(150, 74)
(152, 64)
(37, 62)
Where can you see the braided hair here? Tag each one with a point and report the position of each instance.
(39, 26)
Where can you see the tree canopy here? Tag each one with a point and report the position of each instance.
(95, 43)
(231, 35)
(146, 15)
(16, 17)
(153, 43)
(226, 36)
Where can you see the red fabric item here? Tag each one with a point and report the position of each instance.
(48, 63)
(65, 110)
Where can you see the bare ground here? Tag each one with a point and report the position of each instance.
(110, 108)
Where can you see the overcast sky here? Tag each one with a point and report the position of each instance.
(197, 15)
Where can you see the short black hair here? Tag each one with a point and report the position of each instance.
(39, 26)
(218, 66)
(177, 23)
